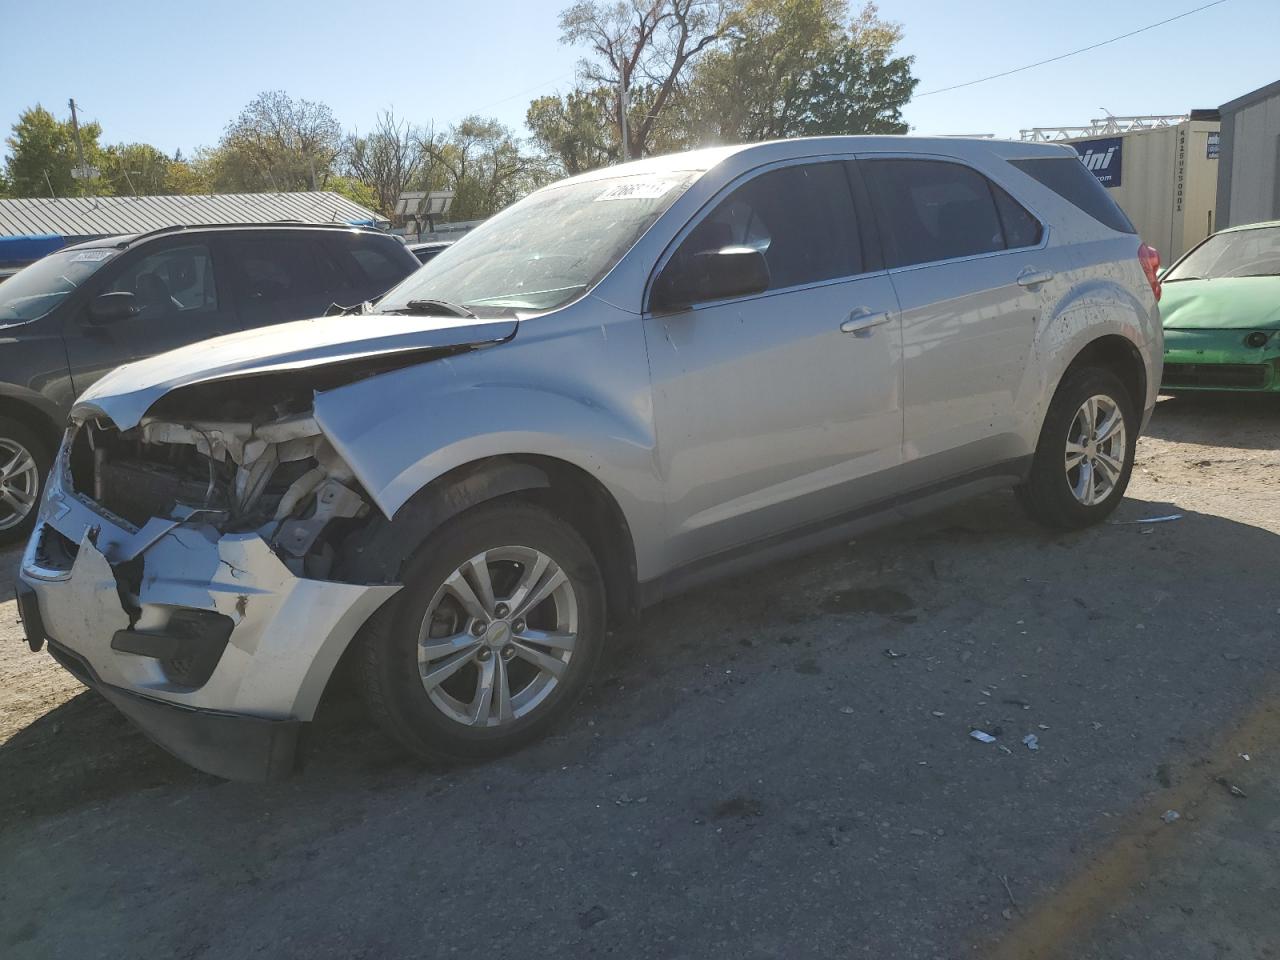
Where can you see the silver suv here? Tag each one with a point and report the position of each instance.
(626, 384)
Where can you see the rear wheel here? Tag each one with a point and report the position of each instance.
(1085, 454)
(24, 464)
(493, 638)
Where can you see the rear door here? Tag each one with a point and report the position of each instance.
(778, 409)
(282, 275)
(182, 295)
(369, 264)
(967, 262)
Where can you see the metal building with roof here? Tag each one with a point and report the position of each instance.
(1249, 173)
(38, 223)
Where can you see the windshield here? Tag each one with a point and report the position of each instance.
(543, 252)
(35, 290)
(1242, 253)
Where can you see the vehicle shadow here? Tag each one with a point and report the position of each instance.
(1244, 420)
(953, 572)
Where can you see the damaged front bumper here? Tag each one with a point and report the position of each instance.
(217, 644)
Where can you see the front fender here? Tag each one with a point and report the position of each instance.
(577, 396)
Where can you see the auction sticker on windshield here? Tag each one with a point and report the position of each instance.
(637, 190)
(91, 256)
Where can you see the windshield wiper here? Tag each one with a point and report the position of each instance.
(433, 308)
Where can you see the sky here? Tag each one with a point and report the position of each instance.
(174, 72)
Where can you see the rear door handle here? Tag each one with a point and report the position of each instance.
(1031, 276)
(862, 320)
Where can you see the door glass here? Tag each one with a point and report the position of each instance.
(381, 271)
(279, 268)
(1021, 229)
(171, 281)
(800, 217)
(932, 210)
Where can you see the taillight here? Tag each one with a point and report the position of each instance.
(1149, 257)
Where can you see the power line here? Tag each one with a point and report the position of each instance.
(523, 93)
(1064, 56)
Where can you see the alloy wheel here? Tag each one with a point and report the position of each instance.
(19, 483)
(498, 636)
(1096, 446)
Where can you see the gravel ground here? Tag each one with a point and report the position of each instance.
(779, 766)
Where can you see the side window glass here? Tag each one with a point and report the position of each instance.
(171, 281)
(279, 268)
(800, 217)
(380, 270)
(1021, 229)
(931, 210)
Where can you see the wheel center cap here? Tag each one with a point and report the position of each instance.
(498, 633)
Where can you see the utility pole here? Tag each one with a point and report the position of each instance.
(75, 128)
(622, 116)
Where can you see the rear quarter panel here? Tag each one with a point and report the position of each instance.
(1099, 289)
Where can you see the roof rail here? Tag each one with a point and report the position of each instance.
(334, 225)
(124, 244)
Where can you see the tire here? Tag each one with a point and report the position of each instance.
(25, 458)
(1064, 498)
(433, 717)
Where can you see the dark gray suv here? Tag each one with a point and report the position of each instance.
(86, 309)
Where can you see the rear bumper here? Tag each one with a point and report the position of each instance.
(1219, 360)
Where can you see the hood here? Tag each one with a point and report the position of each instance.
(125, 394)
(1231, 303)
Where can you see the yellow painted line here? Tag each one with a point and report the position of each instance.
(1053, 927)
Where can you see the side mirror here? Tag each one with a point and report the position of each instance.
(710, 275)
(110, 307)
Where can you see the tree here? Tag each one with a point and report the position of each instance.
(135, 170)
(748, 90)
(861, 90)
(186, 178)
(42, 154)
(387, 160)
(357, 191)
(794, 69)
(277, 143)
(482, 163)
(642, 42)
(573, 131)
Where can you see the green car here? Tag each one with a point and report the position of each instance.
(1221, 312)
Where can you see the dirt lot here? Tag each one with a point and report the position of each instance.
(780, 767)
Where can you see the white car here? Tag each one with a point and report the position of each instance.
(623, 385)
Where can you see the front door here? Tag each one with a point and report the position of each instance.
(778, 409)
(181, 298)
(968, 268)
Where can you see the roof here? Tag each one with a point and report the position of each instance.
(121, 241)
(111, 216)
(1249, 99)
(702, 160)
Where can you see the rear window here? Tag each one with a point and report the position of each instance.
(1070, 179)
(931, 210)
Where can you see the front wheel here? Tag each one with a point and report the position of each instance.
(1085, 454)
(493, 638)
(24, 464)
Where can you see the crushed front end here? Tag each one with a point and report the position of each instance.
(190, 569)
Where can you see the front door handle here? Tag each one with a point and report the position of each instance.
(1031, 276)
(862, 320)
